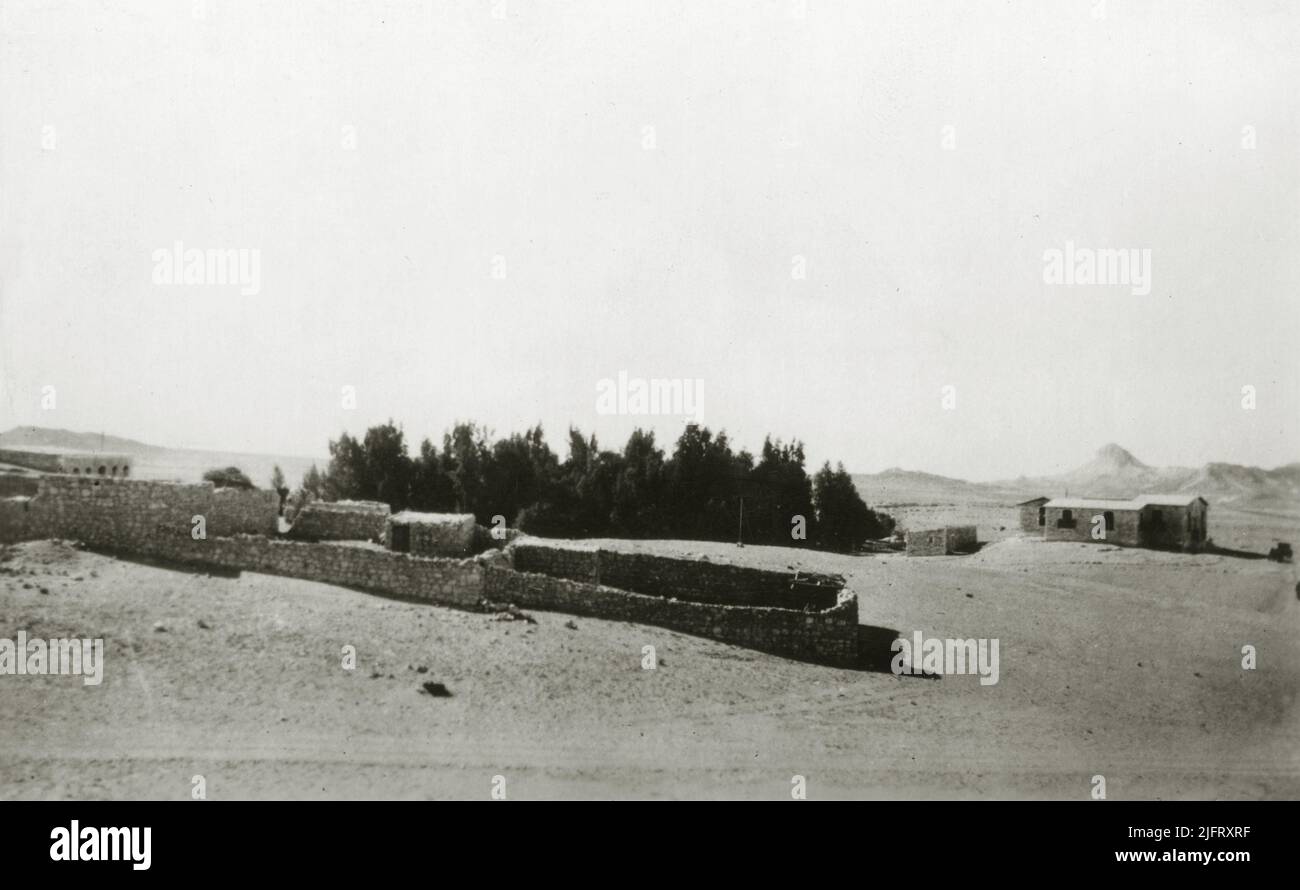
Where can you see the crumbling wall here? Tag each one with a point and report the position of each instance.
(341, 521)
(828, 636)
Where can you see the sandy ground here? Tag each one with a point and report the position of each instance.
(1122, 663)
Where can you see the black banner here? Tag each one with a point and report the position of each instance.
(331, 840)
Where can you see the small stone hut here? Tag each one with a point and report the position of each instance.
(432, 534)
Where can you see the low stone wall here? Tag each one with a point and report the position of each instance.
(341, 521)
(446, 582)
(829, 636)
(767, 611)
(683, 578)
(236, 511)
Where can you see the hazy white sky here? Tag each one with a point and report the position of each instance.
(649, 171)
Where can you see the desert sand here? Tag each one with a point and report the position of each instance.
(1121, 663)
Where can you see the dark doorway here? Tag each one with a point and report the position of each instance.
(401, 541)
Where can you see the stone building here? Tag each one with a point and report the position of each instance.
(432, 534)
(1032, 514)
(1153, 520)
(941, 541)
(74, 463)
(341, 521)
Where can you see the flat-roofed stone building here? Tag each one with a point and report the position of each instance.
(1032, 515)
(110, 464)
(1152, 520)
(941, 541)
(432, 534)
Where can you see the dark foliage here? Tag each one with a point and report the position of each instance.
(703, 491)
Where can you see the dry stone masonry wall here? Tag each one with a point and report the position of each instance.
(341, 521)
(941, 541)
(433, 534)
(828, 636)
(687, 579)
(775, 612)
(126, 513)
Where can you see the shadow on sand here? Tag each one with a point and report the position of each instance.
(1237, 554)
(171, 565)
(875, 654)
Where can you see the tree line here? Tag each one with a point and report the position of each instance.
(704, 490)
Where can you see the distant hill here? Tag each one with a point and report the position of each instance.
(899, 486)
(158, 462)
(1112, 472)
(27, 436)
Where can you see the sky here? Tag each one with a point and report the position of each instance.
(834, 216)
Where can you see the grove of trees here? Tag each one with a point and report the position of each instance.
(694, 493)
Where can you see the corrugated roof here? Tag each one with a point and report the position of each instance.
(1137, 503)
(1167, 500)
(1093, 504)
(410, 517)
(1032, 500)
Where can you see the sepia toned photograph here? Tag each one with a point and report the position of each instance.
(761, 400)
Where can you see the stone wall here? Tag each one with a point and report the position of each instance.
(941, 541)
(828, 636)
(687, 579)
(1125, 532)
(927, 542)
(341, 521)
(433, 534)
(1029, 516)
(446, 582)
(237, 511)
(1174, 529)
(810, 618)
(14, 484)
(961, 538)
(125, 513)
(46, 462)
